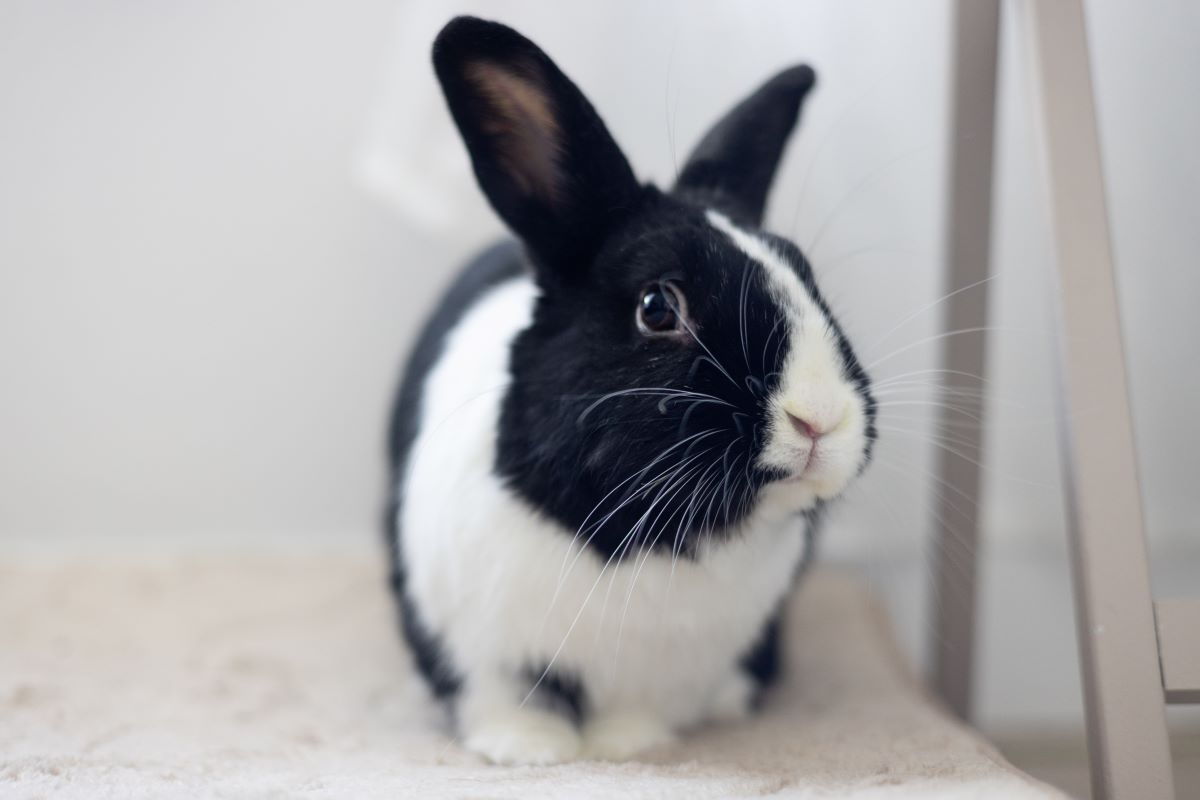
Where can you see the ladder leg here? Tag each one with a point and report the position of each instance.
(968, 230)
(1123, 693)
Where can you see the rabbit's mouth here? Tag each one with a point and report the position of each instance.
(821, 469)
(807, 462)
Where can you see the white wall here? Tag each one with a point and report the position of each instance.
(198, 324)
(202, 312)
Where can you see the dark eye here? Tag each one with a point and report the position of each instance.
(661, 309)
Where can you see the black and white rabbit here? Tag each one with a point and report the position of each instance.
(614, 437)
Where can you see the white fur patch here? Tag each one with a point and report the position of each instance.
(507, 590)
(617, 735)
(515, 735)
(812, 387)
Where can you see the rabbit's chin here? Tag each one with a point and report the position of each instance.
(804, 491)
(787, 497)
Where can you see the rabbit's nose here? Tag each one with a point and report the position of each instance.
(804, 427)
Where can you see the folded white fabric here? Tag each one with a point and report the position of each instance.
(241, 676)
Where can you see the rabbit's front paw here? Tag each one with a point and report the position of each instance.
(524, 736)
(618, 735)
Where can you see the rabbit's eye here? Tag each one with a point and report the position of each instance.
(661, 309)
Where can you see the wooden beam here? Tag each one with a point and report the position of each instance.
(1127, 733)
(968, 243)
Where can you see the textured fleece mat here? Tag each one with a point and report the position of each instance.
(234, 675)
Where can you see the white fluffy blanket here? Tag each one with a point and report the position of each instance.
(283, 676)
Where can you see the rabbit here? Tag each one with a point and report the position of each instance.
(616, 434)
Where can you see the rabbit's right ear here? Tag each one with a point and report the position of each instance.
(541, 153)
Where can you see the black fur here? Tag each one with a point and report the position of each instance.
(558, 419)
(561, 689)
(610, 466)
(761, 662)
(500, 262)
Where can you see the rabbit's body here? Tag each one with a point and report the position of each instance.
(611, 442)
(512, 593)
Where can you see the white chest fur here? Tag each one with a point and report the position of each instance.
(507, 589)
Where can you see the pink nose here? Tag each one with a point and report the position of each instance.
(804, 427)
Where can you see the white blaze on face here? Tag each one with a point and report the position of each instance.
(812, 387)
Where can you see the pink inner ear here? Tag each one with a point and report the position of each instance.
(522, 126)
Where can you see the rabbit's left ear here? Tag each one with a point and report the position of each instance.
(733, 166)
(540, 151)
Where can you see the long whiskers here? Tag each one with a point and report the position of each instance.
(692, 332)
(666, 393)
(591, 591)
